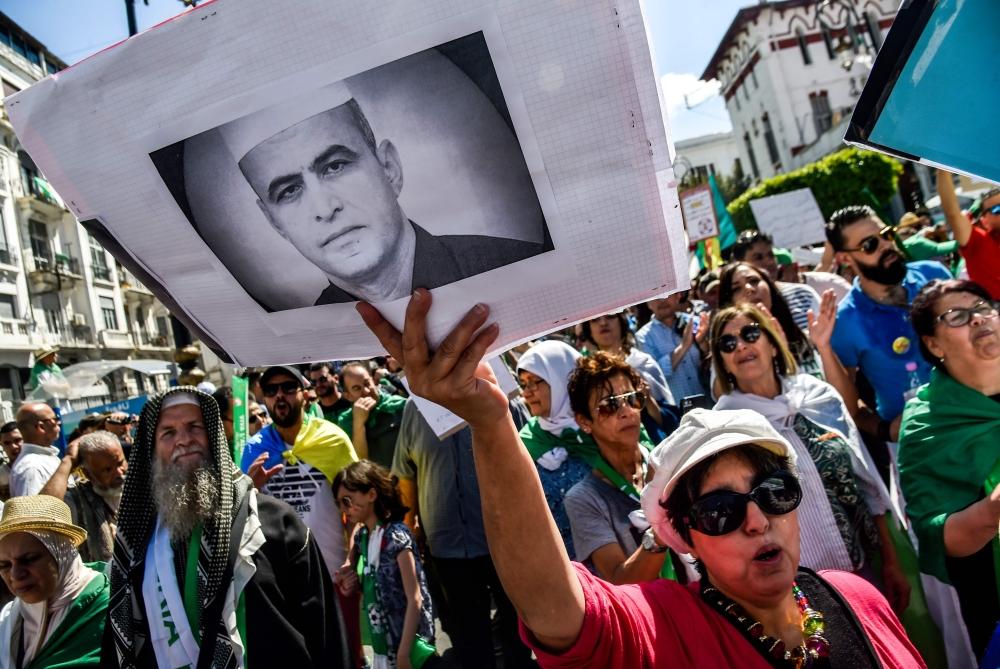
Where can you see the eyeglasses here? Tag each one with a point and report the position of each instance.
(54, 421)
(532, 386)
(871, 243)
(995, 210)
(724, 511)
(749, 333)
(610, 406)
(325, 378)
(254, 417)
(959, 316)
(345, 502)
(286, 388)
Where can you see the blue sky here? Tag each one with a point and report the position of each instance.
(684, 37)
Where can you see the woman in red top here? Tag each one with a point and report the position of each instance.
(729, 493)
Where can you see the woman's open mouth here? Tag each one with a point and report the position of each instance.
(768, 554)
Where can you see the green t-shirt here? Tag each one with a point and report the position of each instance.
(381, 428)
(919, 247)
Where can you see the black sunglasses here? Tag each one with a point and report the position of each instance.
(610, 406)
(286, 388)
(870, 243)
(724, 511)
(749, 333)
(958, 317)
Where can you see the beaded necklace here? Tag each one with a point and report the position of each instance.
(813, 653)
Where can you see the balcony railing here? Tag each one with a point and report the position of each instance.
(101, 273)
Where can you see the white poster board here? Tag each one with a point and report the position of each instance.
(698, 208)
(793, 219)
(260, 167)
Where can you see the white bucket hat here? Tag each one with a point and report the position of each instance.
(701, 434)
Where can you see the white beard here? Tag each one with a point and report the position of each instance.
(184, 498)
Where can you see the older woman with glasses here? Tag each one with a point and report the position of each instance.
(744, 533)
(552, 436)
(846, 502)
(608, 396)
(948, 448)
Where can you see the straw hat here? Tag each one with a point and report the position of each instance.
(45, 351)
(40, 512)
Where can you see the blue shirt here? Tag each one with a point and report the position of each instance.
(659, 341)
(879, 340)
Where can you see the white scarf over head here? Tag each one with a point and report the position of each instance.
(553, 362)
(820, 403)
(42, 619)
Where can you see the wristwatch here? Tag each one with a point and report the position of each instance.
(649, 543)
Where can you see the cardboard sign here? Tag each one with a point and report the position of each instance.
(793, 219)
(699, 213)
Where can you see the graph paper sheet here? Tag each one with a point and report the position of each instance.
(517, 155)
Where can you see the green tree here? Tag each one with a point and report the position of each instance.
(850, 176)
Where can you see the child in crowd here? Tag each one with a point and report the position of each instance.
(396, 619)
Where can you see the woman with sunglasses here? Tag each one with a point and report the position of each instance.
(573, 619)
(845, 500)
(813, 353)
(607, 397)
(610, 333)
(396, 606)
(552, 436)
(948, 448)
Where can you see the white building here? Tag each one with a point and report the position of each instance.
(58, 285)
(699, 157)
(791, 80)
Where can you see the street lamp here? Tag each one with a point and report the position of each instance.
(852, 47)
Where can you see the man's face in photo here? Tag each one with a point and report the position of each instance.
(332, 194)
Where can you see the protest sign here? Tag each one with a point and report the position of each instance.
(793, 219)
(932, 90)
(699, 213)
(261, 168)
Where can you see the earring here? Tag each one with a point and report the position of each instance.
(774, 363)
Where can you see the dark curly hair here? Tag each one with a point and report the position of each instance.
(922, 311)
(594, 373)
(841, 218)
(798, 342)
(628, 340)
(366, 475)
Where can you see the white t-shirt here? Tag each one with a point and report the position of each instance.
(305, 489)
(33, 469)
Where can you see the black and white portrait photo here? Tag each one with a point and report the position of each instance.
(406, 175)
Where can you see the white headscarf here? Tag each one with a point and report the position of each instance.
(46, 616)
(553, 362)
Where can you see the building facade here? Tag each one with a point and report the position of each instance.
(58, 286)
(699, 157)
(791, 74)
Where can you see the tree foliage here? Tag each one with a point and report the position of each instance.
(850, 176)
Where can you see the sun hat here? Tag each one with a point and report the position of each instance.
(45, 351)
(40, 512)
(701, 434)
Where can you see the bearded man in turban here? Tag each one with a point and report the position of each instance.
(207, 572)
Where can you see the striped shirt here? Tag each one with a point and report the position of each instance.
(800, 298)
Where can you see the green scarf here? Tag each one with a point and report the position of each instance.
(386, 404)
(582, 445)
(77, 640)
(949, 453)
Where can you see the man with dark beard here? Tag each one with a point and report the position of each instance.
(207, 573)
(873, 332)
(93, 503)
(295, 459)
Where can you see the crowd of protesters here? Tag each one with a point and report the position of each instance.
(781, 466)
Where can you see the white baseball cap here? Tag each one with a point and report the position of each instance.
(701, 434)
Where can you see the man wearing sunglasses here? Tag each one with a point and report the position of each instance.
(327, 383)
(873, 333)
(39, 459)
(978, 239)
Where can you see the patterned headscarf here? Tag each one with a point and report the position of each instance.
(137, 520)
